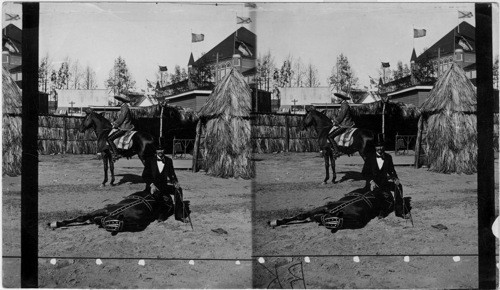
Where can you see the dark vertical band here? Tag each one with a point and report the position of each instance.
(29, 163)
(485, 158)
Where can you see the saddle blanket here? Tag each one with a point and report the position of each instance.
(124, 142)
(344, 139)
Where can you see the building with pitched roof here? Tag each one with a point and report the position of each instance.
(457, 46)
(238, 51)
(12, 51)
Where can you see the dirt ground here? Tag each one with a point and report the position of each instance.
(68, 186)
(308, 255)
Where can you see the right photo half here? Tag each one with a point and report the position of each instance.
(366, 145)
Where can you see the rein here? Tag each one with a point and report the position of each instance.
(138, 200)
(359, 197)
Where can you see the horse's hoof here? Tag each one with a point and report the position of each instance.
(324, 182)
(52, 225)
(102, 185)
(273, 223)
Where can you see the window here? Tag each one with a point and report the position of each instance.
(237, 61)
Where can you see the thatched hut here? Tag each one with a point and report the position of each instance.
(447, 127)
(11, 126)
(226, 120)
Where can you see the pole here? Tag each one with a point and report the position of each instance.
(161, 126)
(196, 146)
(418, 141)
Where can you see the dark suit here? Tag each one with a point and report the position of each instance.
(381, 176)
(164, 181)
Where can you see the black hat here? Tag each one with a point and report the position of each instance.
(164, 151)
(379, 140)
(342, 96)
(123, 98)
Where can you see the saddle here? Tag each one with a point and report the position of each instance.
(336, 219)
(345, 139)
(117, 221)
(124, 142)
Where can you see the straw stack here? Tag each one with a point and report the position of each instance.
(226, 115)
(450, 117)
(11, 126)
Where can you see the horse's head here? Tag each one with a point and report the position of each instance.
(308, 119)
(95, 121)
(87, 121)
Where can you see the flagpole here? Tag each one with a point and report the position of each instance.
(413, 36)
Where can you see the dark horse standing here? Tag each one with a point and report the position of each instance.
(353, 211)
(362, 140)
(133, 214)
(142, 143)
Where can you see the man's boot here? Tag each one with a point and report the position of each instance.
(114, 151)
(335, 147)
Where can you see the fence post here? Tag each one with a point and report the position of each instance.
(418, 141)
(65, 134)
(287, 134)
(196, 146)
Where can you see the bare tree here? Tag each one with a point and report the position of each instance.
(265, 68)
(76, 75)
(89, 79)
(44, 73)
(298, 73)
(311, 76)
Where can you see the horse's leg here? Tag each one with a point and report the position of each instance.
(334, 173)
(105, 163)
(300, 217)
(80, 219)
(111, 169)
(326, 153)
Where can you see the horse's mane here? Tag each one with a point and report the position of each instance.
(101, 117)
(320, 114)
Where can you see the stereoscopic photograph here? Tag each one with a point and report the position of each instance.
(167, 145)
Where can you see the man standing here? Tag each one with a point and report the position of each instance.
(380, 174)
(160, 178)
(123, 124)
(343, 121)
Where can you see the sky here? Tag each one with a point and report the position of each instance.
(148, 35)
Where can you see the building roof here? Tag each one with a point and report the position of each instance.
(242, 42)
(249, 72)
(413, 56)
(451, 41)
(191, 59)
(470, 67)
(13, 32)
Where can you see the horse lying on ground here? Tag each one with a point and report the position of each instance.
(133, 214)
(353, 211)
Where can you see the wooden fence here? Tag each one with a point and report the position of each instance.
(274, 133)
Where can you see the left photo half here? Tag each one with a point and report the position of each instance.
(143, 145)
